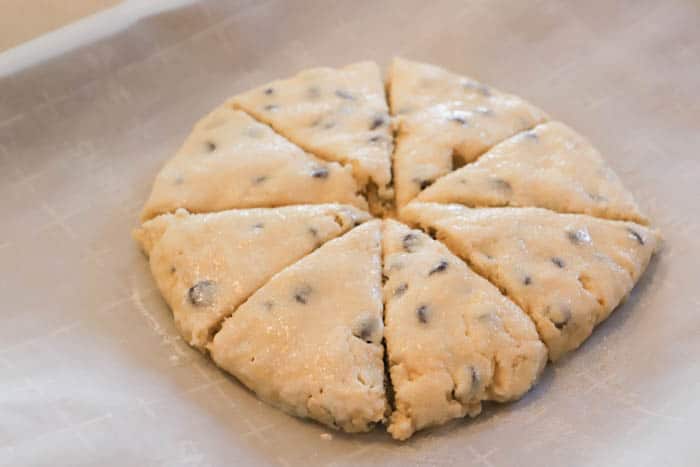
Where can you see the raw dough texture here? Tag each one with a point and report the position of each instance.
(506, 239)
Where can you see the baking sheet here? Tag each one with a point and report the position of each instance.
(92, 371)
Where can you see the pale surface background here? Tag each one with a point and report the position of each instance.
(91, 369)
(22, 20)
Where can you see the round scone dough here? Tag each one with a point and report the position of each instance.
(452, 339)
(445, 121)
(205, 265)
(338, 114)
(232, 161)
(550, 166)
(260, 242)
(567, 271)
(309, 341)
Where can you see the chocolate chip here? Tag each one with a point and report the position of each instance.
(319, 172)
(423, 184)
(597, 198)
(530, 134)
(344, 95)
(527, 280)
(475, 380)
(211, 147)
(313, 92)
(366, 328)
(558, 261)
(401, 289)
(422, 312)
(202, 293)
(578, 236)
(500, 184)
(636, 235)
(410, 242)
(376, 139)
(377, 121)
(488, 318)
(301, 294)
(269, 91)
(258, 180)
(491, 318)
(270, 107)
(561, 317)
(440, 267)
(458, 119)
(467, 387)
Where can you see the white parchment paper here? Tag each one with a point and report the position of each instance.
(92, 371)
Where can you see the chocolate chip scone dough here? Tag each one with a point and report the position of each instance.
(452, 339)
(232, 161)
(260, 242)
(207, 264)
(550, 166)
(337, 114)
(567, 271)
(445, 121)
(309, 341)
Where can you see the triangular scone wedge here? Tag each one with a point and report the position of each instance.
(231, 161)
(567, 271)
(416, 86)
(337, 114)
(310, 340)
(205, 265)
(452, 339)
(445, 121)
(550, 166)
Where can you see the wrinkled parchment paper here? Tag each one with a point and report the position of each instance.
(92, 371)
